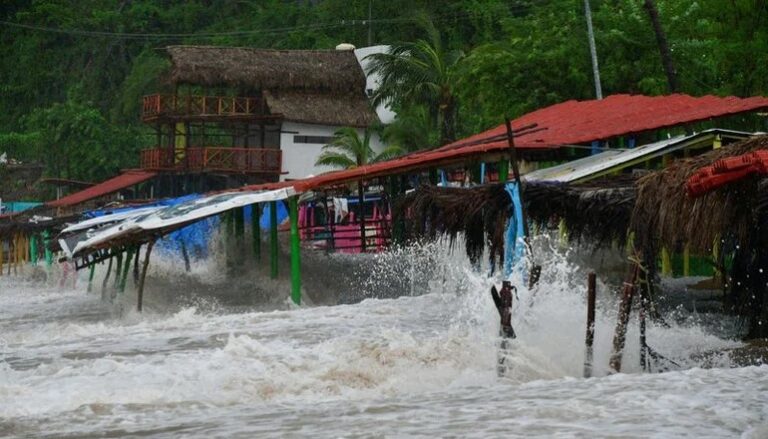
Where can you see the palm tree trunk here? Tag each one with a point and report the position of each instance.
(661, 40)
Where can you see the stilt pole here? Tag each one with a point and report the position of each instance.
(136, 266)
(90, 277)
(185, 256)
(590, 339)
(256, 230)
(273, 239)
(118, 270)
(47, 246)
(625, 307)
(106, 278)
(126, 269)
(140, 293)
(361, 218)
(293, 205)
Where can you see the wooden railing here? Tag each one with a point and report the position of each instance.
(195, 105)
(220, 159)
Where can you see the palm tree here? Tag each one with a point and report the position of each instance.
(349, 150)
(420, 73)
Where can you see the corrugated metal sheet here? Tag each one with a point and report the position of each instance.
(569, 123)
(575, 122)
(614, 159)
(124, 180)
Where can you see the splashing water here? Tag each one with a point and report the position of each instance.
(422, 364)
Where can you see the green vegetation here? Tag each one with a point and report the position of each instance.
(70, 88)
(349, 150)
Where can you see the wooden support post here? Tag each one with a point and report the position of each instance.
(619, 337)
(590, 339)
(143, 278)
(686, 261)
(48, 252)
(293, 208)
(92, 272)
(273, 239)
(666, 262)
(185, 256)
(118, 271)
(643, 342)
(503, 170)
(136, 265)
(256, 230)
(33, 248)
(106, 278)
(361, 218)
(126, 269)
(239, 223)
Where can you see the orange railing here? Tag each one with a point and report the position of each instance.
(194, 105)
(221, 159)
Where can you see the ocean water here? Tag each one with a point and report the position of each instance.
(419, 365)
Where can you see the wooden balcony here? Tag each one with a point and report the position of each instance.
(196, 107)
(213, 159)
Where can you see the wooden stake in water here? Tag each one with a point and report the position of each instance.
(620, 336)
(140, 293)
(590, 339)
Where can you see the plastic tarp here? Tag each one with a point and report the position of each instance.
(174, 217)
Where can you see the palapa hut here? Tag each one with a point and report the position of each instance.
(655, 210)
(288, 101)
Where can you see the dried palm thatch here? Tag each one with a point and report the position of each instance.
(318, 108)
(664, 215)
(260, 69)
(311, 86)
(599, 212)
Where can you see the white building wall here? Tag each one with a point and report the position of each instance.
(372, 81)
(299, 158)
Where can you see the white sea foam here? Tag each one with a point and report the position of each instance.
(421, 364)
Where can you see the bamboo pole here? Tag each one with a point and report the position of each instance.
(590, 338)
(140, 294)
(293, 204)
(273, 239)
(620, 335)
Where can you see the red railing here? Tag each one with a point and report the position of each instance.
(220, 159)
(194, 105)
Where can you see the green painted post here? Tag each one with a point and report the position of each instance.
(256, 230)
(33, 249)
(273, 238)
(239, 223)
(118, 270)
(503, 170)
(48, 252)
(293, 205)
(126, 269)
(90, 277)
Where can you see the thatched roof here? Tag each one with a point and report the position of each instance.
(665, 215)
(317, 108)
(317, 70)
(311, 86)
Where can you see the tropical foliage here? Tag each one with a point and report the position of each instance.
(71, 81)
(349, 150)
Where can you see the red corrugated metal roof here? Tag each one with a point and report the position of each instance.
(575, 122)
(127, 178)
(568, 123)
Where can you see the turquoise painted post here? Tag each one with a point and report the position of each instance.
(293, 206)
(33, 249)
(48, 252)
(273, 239)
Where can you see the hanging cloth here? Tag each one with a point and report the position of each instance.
(514, 238)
